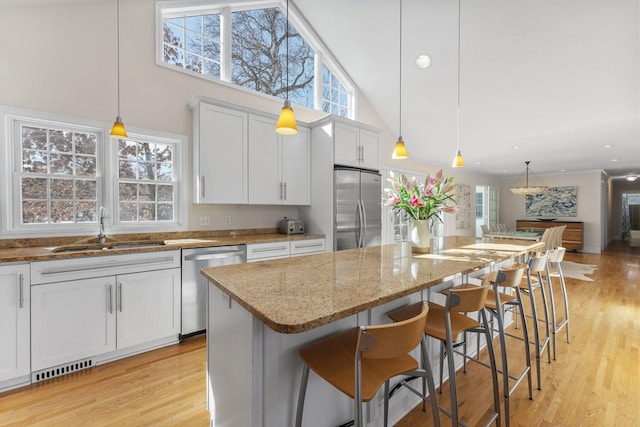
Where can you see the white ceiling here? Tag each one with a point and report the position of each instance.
(558, 78)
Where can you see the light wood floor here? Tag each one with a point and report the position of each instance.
(595, 380)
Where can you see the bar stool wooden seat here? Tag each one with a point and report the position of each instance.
(446, 323)
(554, 269)
(360, 360)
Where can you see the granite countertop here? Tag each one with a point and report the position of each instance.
(297, 294)
(38, 249)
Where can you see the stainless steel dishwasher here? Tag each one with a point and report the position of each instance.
(194, 285)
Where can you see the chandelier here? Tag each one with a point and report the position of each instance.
(528, 189)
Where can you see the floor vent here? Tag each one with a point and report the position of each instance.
(58, 371)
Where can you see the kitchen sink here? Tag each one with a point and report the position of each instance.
(82, 247)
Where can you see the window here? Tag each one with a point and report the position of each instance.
(479, 207)
(256, 57)
(58, 174)
(146, 185)
(55, 177)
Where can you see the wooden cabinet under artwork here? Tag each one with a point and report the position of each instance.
(572, 237)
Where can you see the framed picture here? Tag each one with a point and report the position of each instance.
(554, 202)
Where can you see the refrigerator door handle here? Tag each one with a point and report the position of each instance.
(358, 225)
(364, 225)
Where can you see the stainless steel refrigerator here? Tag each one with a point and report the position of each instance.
(358, 210)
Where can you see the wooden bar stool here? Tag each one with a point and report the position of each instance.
(359, 360)
(537, 265)
(446, 323)
(554, 269)
(497, 303)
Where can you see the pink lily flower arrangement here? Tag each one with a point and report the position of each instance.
(421, 200)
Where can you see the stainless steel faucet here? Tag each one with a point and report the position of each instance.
(102, 237)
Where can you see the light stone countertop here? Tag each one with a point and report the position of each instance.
(26, 250)
(297, 294)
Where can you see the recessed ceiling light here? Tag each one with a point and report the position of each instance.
(615, 160)
(563, 170)
(632, 178)
(515, 147)
(607, 146)
(423, 61)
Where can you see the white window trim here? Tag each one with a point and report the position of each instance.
(10, 212)
(323, 55)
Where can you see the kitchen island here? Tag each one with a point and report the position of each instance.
(260, 313)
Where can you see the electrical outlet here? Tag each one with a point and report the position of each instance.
(205, 220)
(227, 220)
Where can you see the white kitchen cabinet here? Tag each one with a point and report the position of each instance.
(72, 321)
(83, 308)
(15, 298)
(148, 306)
(219, 154)
(355, 146)
(279, 165)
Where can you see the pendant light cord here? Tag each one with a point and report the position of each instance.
(118, 49)
(458, 109)
(287, 44)
(400, 70)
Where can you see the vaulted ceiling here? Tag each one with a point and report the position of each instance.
(557, 78)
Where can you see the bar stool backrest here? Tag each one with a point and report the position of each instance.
(511, 276)
(469, 299)
(538, 263)
(394, 339)
(556, 255)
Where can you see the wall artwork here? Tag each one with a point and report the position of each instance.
(554, 202)
(463, 216)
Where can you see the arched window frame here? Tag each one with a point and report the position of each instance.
(323, 58)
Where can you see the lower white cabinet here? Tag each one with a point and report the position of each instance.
(72, 320)
(14, 324)
(148, 306)
(86, 317)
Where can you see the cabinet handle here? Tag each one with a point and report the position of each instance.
(280, 190)
(361, 153)
(285, 191)
(21, 290)
(110, 298)
(202, 187)
(309, 245)
(269, 249)
(120, 296)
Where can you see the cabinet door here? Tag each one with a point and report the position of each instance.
(71, 321)
(14, 321)
(296, 167)
(369, 154)
(265, 182)
(148, 306)
(220, 154)
(346, 146)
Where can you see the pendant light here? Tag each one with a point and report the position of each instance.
(526, 189)
(458, 161)
(118, 129)
(400, 150)
(287, 122)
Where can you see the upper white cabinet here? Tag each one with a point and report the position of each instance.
(15, 303)
(239, 158)
(219, 154)
(355, 145)
(279, 166)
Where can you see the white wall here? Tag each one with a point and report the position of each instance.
(589, 203)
